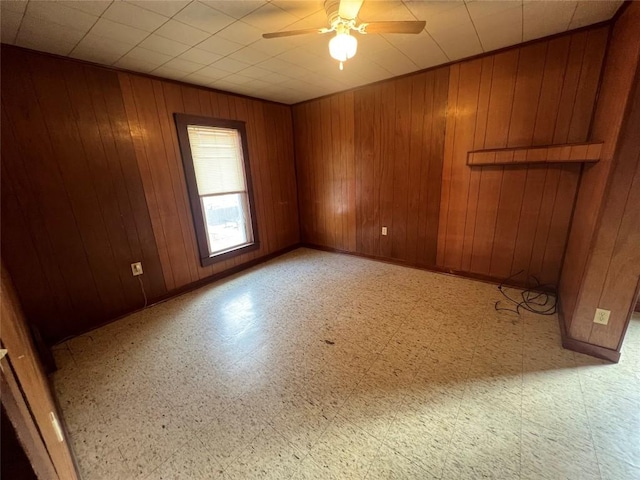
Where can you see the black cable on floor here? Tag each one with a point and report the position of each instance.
(540, 298)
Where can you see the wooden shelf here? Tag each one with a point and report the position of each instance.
(574, 153)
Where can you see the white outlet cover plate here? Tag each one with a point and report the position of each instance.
(136, 269)
(602, 316)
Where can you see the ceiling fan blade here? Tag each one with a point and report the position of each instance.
(291, 33)
(392, 27)
(349, 8)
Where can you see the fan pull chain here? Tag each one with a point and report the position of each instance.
(341, 67)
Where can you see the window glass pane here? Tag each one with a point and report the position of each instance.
(228, 221)
(217, 159)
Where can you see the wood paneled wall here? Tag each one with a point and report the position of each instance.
(150, 105)
(402, 146)
(372, 158)
(74, 215)
(92, 181)
(500, 220)
(602, 265)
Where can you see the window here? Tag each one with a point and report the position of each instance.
(216, 164)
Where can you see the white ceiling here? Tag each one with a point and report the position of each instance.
(219, 44)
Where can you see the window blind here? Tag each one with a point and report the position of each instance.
(217, 159)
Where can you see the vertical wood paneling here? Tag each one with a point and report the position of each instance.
(373, 158)
(602, 264)
(411, 138)
(150, 107)
(517, 218)
(71, 201)
(101, 186)
(619, 75)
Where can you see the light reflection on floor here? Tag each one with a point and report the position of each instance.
(319, 365)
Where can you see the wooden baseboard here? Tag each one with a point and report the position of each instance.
(198, 284)
(567, 342)
(428, 268)
(584, 347)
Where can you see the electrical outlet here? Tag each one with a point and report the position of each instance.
(136, 269)
(602, 316)
(384, 230)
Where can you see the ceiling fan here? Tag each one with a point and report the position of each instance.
(342, 16)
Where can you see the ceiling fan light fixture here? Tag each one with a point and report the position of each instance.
(343, 46)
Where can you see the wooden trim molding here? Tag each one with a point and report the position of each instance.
(182, 122)
(427, 268)
(584, 347)
(202, 282)
(575, 153)
(25, 427)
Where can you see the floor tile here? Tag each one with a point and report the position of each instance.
(293, 369)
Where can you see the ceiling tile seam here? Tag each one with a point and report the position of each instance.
(245, 46)
(245, 15)
(522, 21)
(154, 33)
(426, 31)
(15, 37)
(575, 9)
(62, 26)
(466, 7)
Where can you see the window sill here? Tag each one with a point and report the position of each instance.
(220, 257)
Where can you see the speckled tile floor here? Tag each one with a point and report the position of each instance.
(321, 366)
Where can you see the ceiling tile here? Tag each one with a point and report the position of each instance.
(234, 8)
(163, 7)
(269, 18)
(421, 48)
(223, 84)
(220, 46)
(255, 72)
(61, 15)
(490, 7)
(94, 7)
(44, 31)
(15, 6)
(117, 31)
(168, 72)
(240, 32)
(183, 65)
(274, 78)
(458, 44)
(213, 72)
(43, 44)
(200, 56)
(539, 20)
(181, 32)
(197, 78)
(164, 45)
(593, 11)
(423, 10)
(500, 29)
(272, 46)
(94, 49)
(299, 9)
(129, 63)
(9, 24)
(249, 55)
(301, 56)
(230, 65)
(290, 69)
(147, 56)
(454, 18)
(384, 11)
(134, 16)
(200, 16)
(238, 79)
